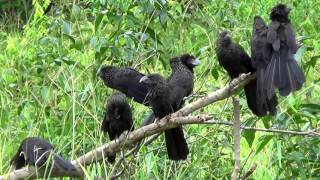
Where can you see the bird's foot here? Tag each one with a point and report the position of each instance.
(157, 121)
(231, 85)
(168, 117)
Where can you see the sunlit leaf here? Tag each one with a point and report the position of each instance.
(262, 142)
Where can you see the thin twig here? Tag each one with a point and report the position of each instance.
(250, 172)
(236, 139)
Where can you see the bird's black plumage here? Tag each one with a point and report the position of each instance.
(117, 118)
(233, 58)
(125, 80)
(162, 100)
(282, 72)
(36, 152)
(260, 56)
(180, 81)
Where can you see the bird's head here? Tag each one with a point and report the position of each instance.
(152, 80)
(104, 70)
(224, 38)
(258, 23)
(280, 13)
(105, 73)
(190, 60)
(186, 59)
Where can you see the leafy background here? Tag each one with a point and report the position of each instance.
(49, 87)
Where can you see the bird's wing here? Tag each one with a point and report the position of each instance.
(290, 38)
(272, 35)
(127, 81)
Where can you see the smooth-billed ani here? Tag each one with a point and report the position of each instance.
(162, 99)
(260, 57)
(36, 151)
(283, 72)
(126, 80)
(117, 118)
(181, 80)
(235, 61)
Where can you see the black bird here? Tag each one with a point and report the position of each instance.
(126, 80)
(181, 80)
(260, 56)
(117, 118)
(36, 151)
(162, 100)
(235, 61)
(283, 72)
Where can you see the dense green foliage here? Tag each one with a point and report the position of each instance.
(49, 88)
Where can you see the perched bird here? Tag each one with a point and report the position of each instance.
(235, 61)
(117, 118)
(36, 152)
(125, 80)
(162, 99)
(282, 72)
(260, 57)
(181, 80)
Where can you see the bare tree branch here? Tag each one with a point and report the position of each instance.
(33, 173)
(236, 139)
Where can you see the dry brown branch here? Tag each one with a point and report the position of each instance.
(33, 173)
(236, 139)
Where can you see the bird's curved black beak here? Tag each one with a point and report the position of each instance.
(195, 62)
(143, 79)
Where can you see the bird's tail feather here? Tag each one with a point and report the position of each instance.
(177, 146)
(265, 106)
(283, 73)
(251, 90)
(60, 163)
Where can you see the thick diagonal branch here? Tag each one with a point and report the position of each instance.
(135, 136)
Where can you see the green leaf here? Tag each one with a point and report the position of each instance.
(299, 54)
(163, 17)
(313, 61)
(249, 135)
(45, 93)
(215, 73)
(75, 10)
(263, 141)
(66, 28)
(98, 21)
(311, 108)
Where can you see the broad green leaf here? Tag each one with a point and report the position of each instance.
(75, 10)
(97, 22)
(262, 142)
(249, 135)
(67, 27)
